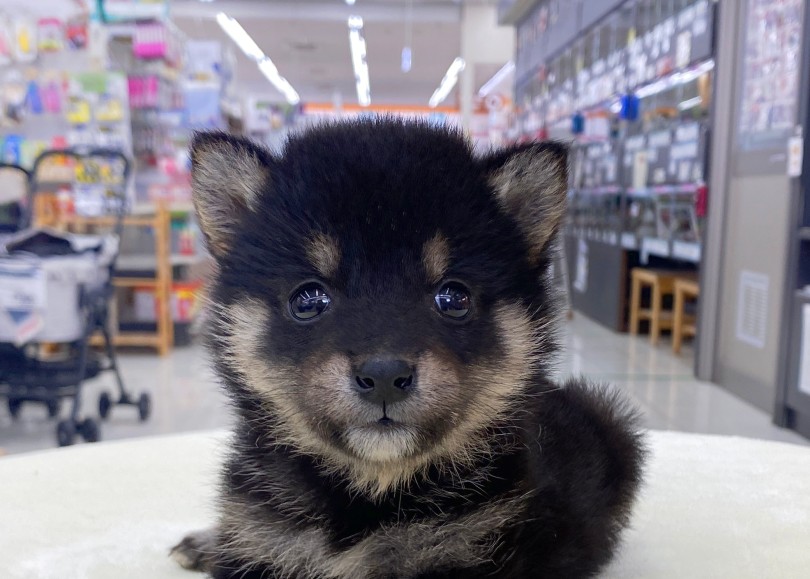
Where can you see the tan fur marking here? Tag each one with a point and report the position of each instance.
(532, 187)
(496, 389)
(323, 253)
(436, 258)
(381, 462)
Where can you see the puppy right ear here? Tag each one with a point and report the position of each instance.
(228, 174)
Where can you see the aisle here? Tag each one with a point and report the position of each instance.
(663, 385)
(186, 397)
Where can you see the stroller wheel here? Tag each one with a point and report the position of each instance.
(89, 430)
(54, 406)
(65, 432)
(14, 406)
(144, 406)
(104, 405)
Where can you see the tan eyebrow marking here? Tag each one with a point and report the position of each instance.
(436, 257)
(323, 253)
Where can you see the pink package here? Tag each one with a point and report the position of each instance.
(150, 41)
(150, 91)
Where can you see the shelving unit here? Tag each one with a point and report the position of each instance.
(158, 222)
(637, 191)
(189, 265)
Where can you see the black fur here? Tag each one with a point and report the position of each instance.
(568, 456)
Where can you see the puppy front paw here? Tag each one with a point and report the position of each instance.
(196, 551)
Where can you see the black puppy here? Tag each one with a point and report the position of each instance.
(384, 326)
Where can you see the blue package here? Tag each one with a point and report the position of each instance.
(33, 98)
(629, 107)
(12, 149)
(578, 123)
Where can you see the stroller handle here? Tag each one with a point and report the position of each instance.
(80, 155)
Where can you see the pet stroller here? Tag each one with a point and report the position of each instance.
(55, 290)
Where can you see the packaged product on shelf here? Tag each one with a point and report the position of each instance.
(25, 40)
(76, 32)
(64, 201)
(30, 149)
(109, 109)
(50, 35)
(12, 149)
(89, 199)
(6, 40)
(59, 142)
(78, 110)
(33, 98)
(13, 90)
(184, 302)
(150, 40)
(51, 98)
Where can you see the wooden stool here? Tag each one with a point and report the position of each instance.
(683, 324)
(661, 283)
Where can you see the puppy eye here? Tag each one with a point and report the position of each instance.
(309, 302)
(453, 301)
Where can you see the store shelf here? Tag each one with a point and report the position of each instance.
(148, 262)
(601, 190)
(134, 281)
(80, 221)
(149, 208)
(656, 190)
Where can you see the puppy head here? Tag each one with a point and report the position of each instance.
(380, 301)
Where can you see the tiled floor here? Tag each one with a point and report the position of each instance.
(186, 397)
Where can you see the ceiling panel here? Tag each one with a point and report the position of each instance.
(313, 53)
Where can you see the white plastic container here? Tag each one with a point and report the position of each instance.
(40, 296)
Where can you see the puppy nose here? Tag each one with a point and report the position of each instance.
(386, 380)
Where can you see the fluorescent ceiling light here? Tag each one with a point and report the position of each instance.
(350, 2)
(497, 79)
(448, 82)
(270, 71)
(406, 63)
(238, 34)
(357, 44)
(243, 40)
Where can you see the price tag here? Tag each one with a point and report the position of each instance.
(687, 251)
(654, 246)
(629, 241)
(683, 49)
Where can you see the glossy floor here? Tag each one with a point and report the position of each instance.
(185, 395)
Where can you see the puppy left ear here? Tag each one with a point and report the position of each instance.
(228, 175)
(531, 185)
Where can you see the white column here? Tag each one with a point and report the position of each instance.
(482, 42)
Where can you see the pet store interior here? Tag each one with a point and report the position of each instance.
(683, 263)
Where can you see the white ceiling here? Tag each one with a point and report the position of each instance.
(308, 41)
